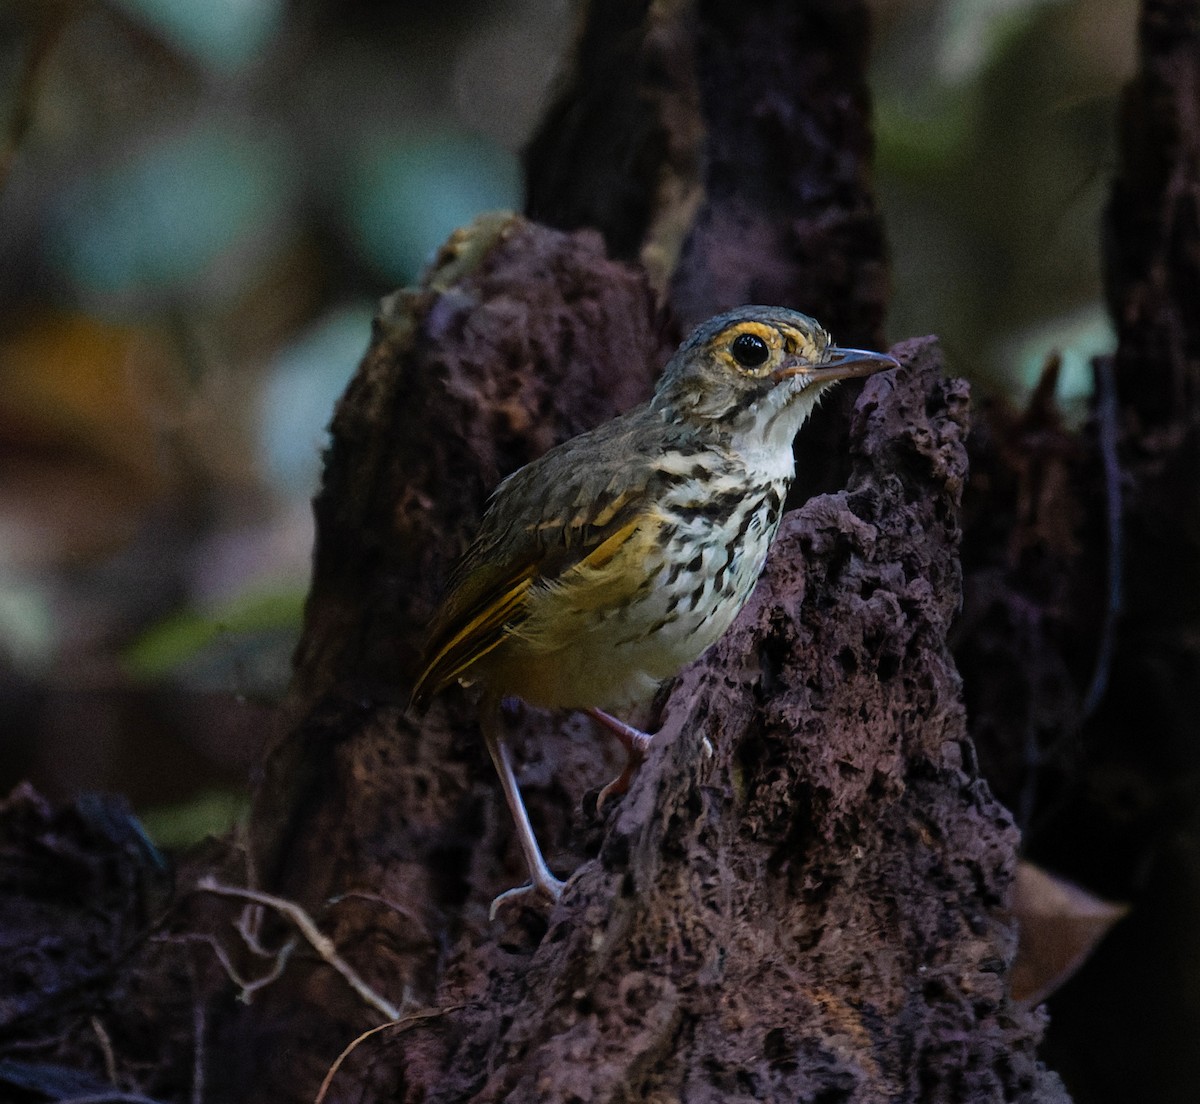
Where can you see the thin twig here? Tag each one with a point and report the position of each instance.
(399, 1025)
(1106, 420)
(307, 928)
(114, 1097)
(249, 925)
(199, 1031)
(106, 1048)
(248, 986)
(394, 906)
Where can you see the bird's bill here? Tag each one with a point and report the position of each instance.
(839, 364)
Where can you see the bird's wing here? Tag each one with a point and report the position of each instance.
(534, 532)
(465, 630)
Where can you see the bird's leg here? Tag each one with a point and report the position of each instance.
(541, 881)
(635, 742)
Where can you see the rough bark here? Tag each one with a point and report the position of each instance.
(519, 337)
(817, 910)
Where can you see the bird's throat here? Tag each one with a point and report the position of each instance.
(764, 439)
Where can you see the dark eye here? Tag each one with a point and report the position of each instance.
(749, 351)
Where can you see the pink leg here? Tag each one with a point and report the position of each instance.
(542, 883)
(635, 742)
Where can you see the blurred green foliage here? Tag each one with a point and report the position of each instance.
(222, 34)
(192, 639)
(406, 194)
(211, 813)
(150, 226)
(995, 136)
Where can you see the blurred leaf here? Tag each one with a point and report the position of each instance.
(1059, 926)
(28, 634)
(405, 195)
(209, 814)
(302, 385)
(1077, 338)
(155, 224)
(975, 31)
(223, 34)
(994, 145)
(919, 137)
(166, 647)
(89, 385)
(83, 405)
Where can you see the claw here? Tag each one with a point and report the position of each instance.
(636, 744)
(550, 889)
(618, 785)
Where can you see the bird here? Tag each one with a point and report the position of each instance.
(609, 563)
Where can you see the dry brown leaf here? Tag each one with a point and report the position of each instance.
(1060, 925)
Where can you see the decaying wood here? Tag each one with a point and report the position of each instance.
(819, 909)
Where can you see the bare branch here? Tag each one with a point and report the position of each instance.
(308, 928)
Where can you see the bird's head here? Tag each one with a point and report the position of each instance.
(757, 371)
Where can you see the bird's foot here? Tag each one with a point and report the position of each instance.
(636, 744)
(618, 785)
(546, 889)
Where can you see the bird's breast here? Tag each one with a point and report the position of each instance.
(608, 635)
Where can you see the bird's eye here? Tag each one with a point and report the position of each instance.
(749, 351)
